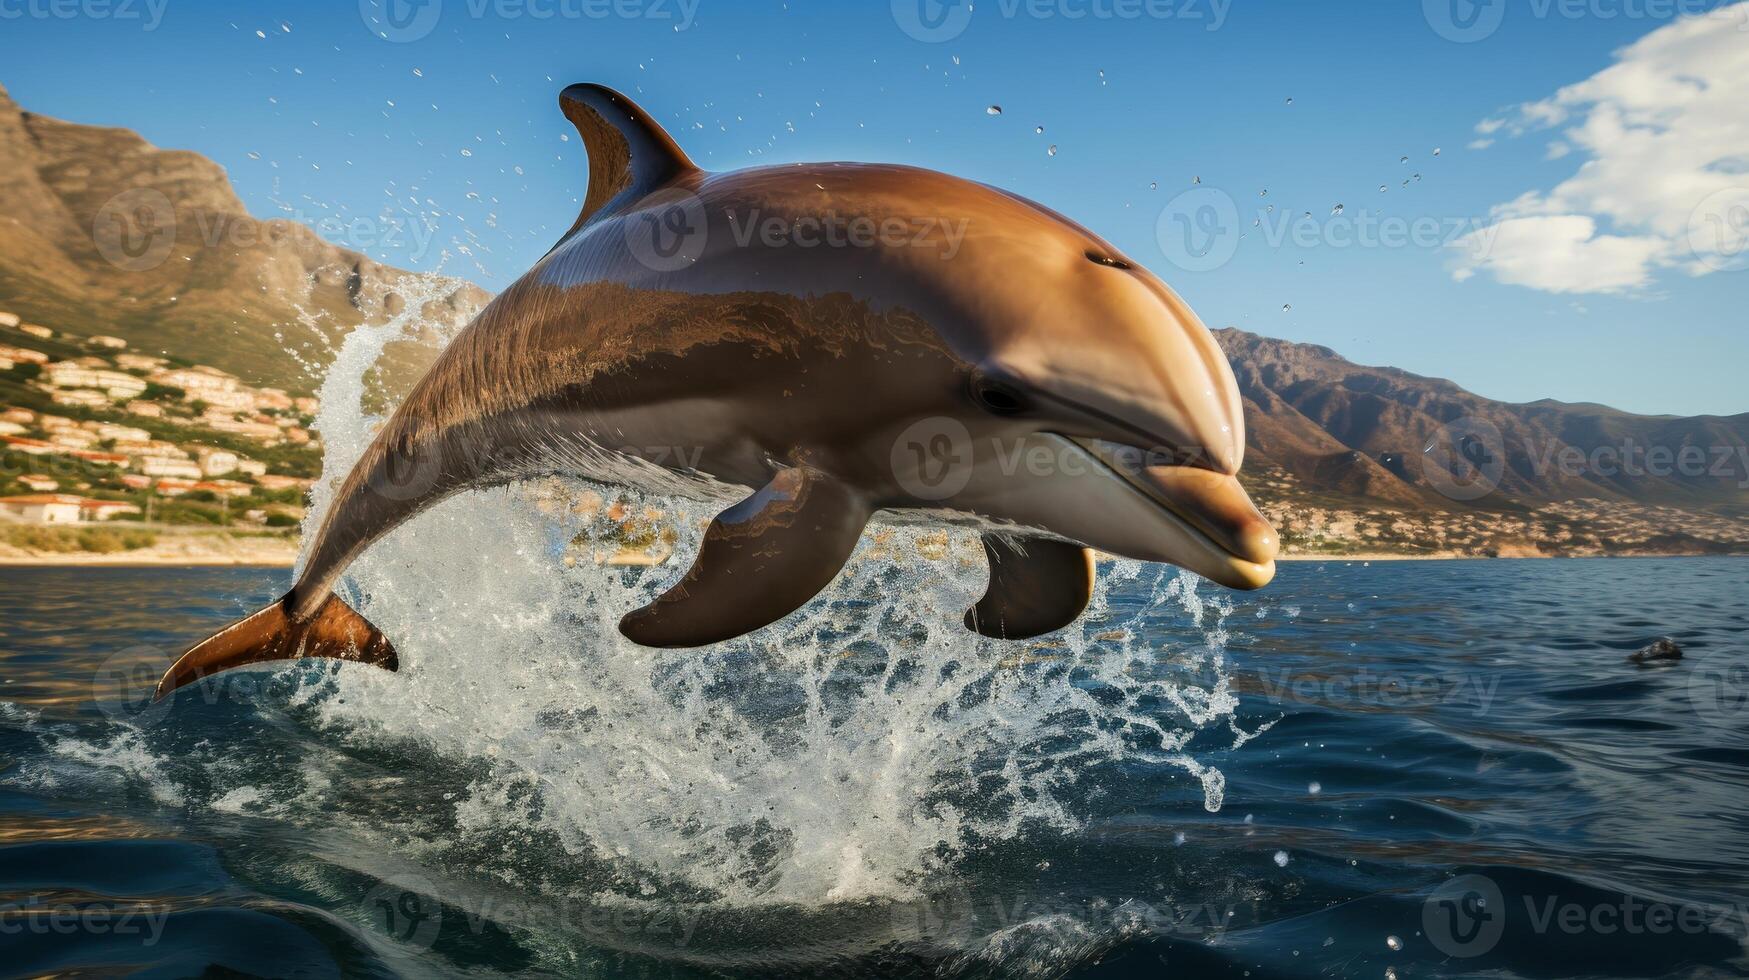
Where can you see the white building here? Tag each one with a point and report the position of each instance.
(159, 466)
(117, 384)
(43, 508)
(109, 430)
(216, 462)
(79, 398)
(106, 341)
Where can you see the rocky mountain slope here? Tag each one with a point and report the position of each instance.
(103, 233)
(1388, 436)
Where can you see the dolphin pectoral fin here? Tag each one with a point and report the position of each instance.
(335, 631)
(1035, 588)
(761, 560)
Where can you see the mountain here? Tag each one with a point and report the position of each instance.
(106, 234)
(1364, 432)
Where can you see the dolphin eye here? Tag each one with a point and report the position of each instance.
(998, 398)
(1106, 260)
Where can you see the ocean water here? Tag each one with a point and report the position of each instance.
(1368, 770)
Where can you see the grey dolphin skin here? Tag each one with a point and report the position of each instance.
(839, 338)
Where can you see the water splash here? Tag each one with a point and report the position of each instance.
(851, 751)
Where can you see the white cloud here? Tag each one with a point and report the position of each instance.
(1663, 134)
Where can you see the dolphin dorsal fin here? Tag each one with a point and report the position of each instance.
(629, 153)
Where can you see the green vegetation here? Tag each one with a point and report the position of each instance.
(64, 540)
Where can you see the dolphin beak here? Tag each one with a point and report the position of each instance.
(1238, 544)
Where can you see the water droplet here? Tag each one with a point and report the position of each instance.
(1153, 185)
(1040, 130)
(1285, 307)
(956, 59)
(1436, 151)
(1403, 159)
(1383, 188)
(1052, 151)
(1196, 180)
(1263, 193)
(1315, 788)
(994, 110)
(1178, 838)
(1336, 210)
(1393, 942)
(1417, 176)
(419, 72)
(1281, 859)
(1290, 100)
(467, 152)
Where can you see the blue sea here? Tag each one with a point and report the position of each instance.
(1394, 769)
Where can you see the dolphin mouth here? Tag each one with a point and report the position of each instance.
(1210, 507)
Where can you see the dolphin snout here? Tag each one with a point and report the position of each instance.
(1219, 507)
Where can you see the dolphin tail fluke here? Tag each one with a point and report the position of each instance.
(762, 559)
(335, 631)
(1036, 587)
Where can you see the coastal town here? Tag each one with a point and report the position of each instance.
(109, 451)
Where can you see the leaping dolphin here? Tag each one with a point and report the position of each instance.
(840, 338)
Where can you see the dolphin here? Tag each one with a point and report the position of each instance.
(812, 344)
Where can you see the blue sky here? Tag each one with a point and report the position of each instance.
(328, 121)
